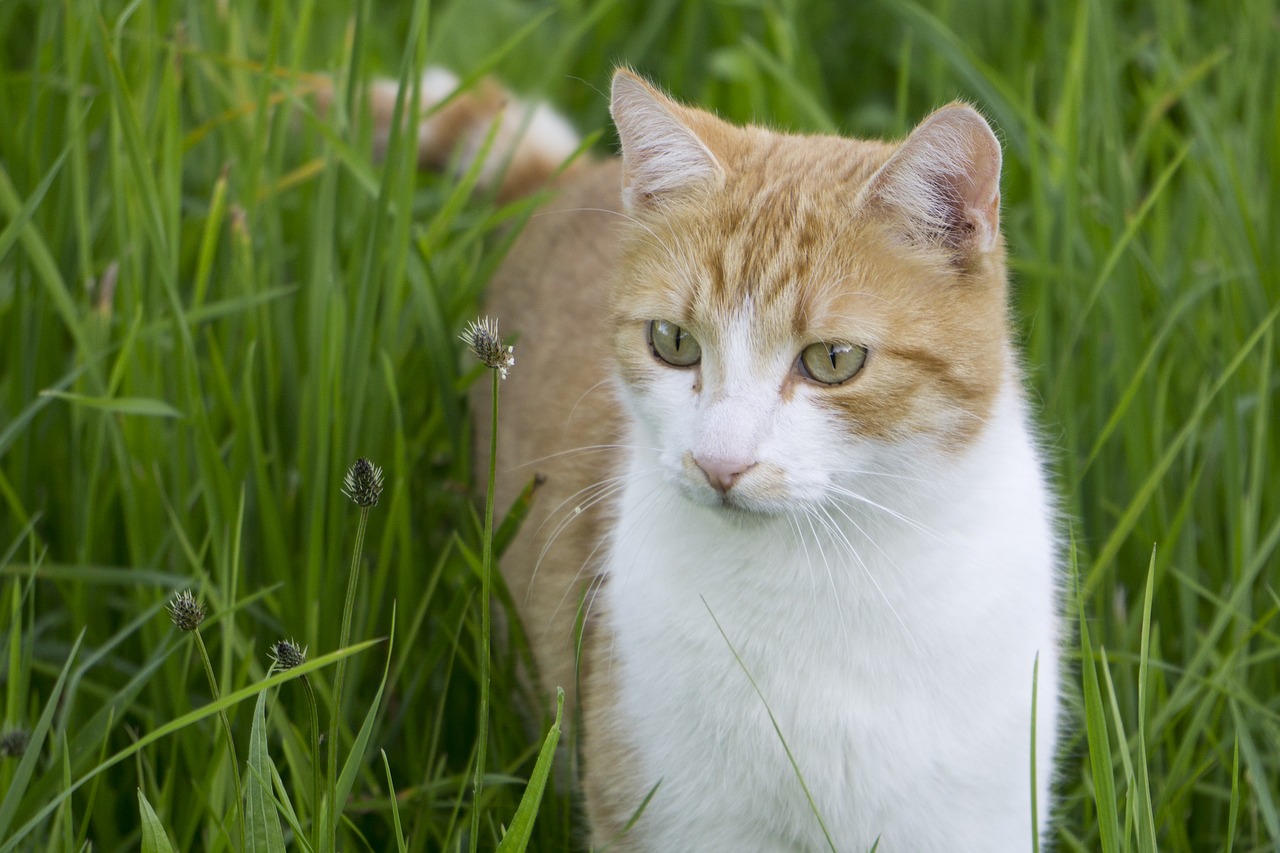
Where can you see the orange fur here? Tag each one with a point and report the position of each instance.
(528, 143)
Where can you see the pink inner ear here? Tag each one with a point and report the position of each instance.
(945, 179)
(661, 155)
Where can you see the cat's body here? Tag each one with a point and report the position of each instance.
(862, 568)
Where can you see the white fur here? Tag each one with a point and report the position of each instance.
(532, 129)
(893, 636)
(437, 84)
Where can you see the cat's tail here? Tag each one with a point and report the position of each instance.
(530, 144)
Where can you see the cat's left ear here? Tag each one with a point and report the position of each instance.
(945, 181)
(663, 157)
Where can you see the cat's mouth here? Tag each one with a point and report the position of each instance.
(736, 509)
(756, 493)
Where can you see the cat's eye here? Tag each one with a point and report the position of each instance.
(673, 344)
(830, 363)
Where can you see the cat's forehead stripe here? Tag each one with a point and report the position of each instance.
(787, 201)
(764, 250)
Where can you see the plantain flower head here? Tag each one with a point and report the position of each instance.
(481, 336)
(185, 611)
(363, 483)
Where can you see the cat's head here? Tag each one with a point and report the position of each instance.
(796, 313)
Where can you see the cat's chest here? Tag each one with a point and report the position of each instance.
(881, 660)
(726, 647)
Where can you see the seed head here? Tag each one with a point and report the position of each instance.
(185, 611)
(13, 744)
(363, 483)
(482, 337)
(287, 654)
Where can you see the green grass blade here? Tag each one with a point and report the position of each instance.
(996, 94)
(1121, 738)
(42, 258)
(35, 744)
(285, 807)
(401, 846)
(1117, 251)
(1100, 763)
(1146, 826)
(1256, 766)
(1235, 799)
(518, 834)
(640, 809)
(514, 519)
(178, 724)
(355, 758)
(65, 817)
(262, 826)
(1035, 777)
(119, 405)
(18, 220)
(776, 728)
(1190, 429)
(797, 92)
(155, 839)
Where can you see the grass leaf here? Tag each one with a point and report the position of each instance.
(35, 745)
(154, 837)
(1146, 826)
(355, 758)
(516, 839)
(176, 725)
(1100, 763)
(776, 728)
(119, 405)
(395, 804)
(262, 825)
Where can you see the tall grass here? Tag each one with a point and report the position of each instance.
(213, 300)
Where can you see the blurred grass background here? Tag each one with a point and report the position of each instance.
(213, 300)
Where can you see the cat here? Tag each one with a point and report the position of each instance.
(788, 475)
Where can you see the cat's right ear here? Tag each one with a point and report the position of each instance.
(662, 157)
(945, 181)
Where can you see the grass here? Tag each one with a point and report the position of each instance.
(212, 301)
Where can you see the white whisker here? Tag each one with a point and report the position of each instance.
(923, 528)
(603, 382)
(596, 492)
(835, 590)
(870, 575)
(798, 537)
(586, 448)
(867, 472)
(871, 539)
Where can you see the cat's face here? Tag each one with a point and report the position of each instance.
(783, 333)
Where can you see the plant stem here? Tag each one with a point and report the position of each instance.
(335, 710)
(1035, 778)
(226, 730)
(486, 588)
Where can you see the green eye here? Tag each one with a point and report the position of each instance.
(673, 344)
(832, 364)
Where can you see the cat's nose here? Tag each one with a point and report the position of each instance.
(722, 473)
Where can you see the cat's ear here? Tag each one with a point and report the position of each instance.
(945, 181)
(662, 156)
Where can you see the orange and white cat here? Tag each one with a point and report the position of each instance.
(789, 475)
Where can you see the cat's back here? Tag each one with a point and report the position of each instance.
(558, 418)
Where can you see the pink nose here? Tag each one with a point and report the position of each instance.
(722, 473)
